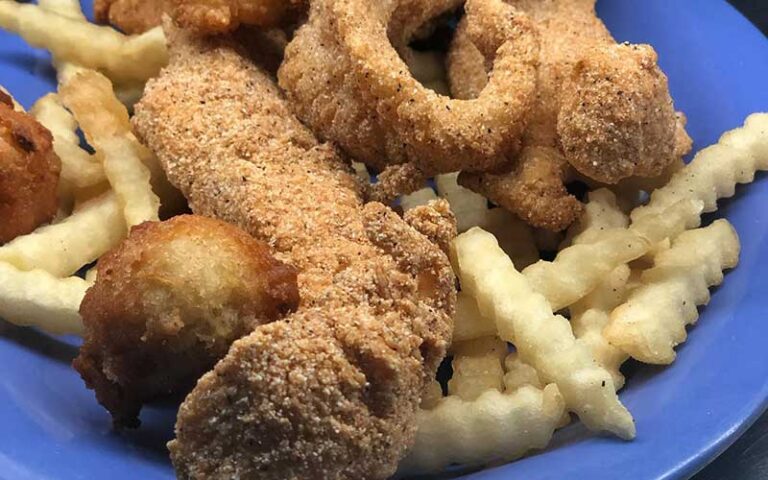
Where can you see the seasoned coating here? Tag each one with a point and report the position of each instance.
(167, 304)
(534, 190)
(616, 117)
(29, 173)
(344, 77)
(131, 16)
(222, 16)
(607, 129)
(332, 391)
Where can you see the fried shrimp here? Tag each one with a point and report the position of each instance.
(167, 304)
(332, 391)
(222, 16)
(604, 107)
(344, 78)
(29, 173)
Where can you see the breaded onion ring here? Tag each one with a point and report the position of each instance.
(167, 304)
(345, 78)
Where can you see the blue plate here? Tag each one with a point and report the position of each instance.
(686, 414)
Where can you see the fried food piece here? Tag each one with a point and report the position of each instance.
(344, 77)
(610, 129)
(616, 117)
(167, 304)
(332, 391)
(534, 190)
(222, 16)
(131, 16)
(29, 173)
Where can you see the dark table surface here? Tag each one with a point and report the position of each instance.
(747, 459)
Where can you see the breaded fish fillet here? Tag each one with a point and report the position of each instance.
(332, 391)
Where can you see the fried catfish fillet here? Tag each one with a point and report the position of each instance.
(332, 391)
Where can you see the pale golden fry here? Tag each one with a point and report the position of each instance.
(469, 324)
(591, 314)
(715, 171)
(670, 222)
(652, 321)
(417, 198)
(474, 374)
(601, 213)
(578, 269)
(65, 247)
(124, 59)
(104, 120)
(493, 428)
(543, 340)
(469, 207)
(519, 374)
(70, 9)
(78, 168)
(130, 179)
(38, 299)
(514, 235)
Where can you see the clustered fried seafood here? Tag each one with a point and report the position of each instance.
(601, 108)
(303, 318)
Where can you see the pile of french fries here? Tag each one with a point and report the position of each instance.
(629, 282)
(626, 281)
(101, 194)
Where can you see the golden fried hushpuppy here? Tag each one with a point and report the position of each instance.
(29, 173)
(167, 304)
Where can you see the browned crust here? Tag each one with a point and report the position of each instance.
(332, 391)
(156, 319)
(29, 173)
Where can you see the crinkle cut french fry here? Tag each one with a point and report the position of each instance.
(578, 269)
(477, 367)
(469, 207)
(715, 171)
(651, 323)
(104, 121)
(601, 213)
(591, 314)
(543, 340)
(468, 323)
(130, 179)
(670, 222)
(125, 59)
(493, 428)
(417, 198)
(63, 248)
(78, 168)
(518, 374)
(515, 236)
(38, 299)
